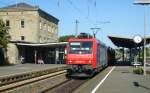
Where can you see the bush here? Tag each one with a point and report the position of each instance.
(138, 70)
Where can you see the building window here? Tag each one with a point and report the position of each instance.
(52, 28)
(22, 37)
(22, 23)
(55, 30)
(48, 28)
(7, 23)
(44, 26)
(40, 39)
(40, 25)
(22, 12)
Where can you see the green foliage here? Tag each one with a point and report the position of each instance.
(138, 70)
(4, 35)
(118, 53)
(147, 52)
(65, 38)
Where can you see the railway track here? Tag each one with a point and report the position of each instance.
(66, 87)
(12, 78)
(36, 84)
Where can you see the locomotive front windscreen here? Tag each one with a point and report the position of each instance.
(84, 47)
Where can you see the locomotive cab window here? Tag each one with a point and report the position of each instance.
(81, 47)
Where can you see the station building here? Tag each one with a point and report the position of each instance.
(32, 31)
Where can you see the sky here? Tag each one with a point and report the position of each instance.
(114, 17)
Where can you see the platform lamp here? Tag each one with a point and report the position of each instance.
(145, 3)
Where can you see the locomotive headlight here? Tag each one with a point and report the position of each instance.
(70, 61)
(90, 61)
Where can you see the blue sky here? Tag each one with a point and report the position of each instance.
(125, 18)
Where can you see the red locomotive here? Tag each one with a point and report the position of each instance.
(85, 56)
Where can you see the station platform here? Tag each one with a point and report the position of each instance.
(13, 73)
(120, 80)
(123, 80)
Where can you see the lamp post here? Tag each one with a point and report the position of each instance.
(145, 3)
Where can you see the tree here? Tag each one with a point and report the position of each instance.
(65, 38)
(147, 52)
(4, 35)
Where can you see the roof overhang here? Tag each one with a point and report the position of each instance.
(59, 44)
(126, 42)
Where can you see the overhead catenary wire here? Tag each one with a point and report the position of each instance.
(82, 13)
(76, 8)
(88, 7)
(58, 3)
(2, 2)
(79, 11)
(93, 3)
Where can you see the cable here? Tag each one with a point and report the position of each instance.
(3, 3)
(78, 10)
(88, 6)
(75, 7)
(6, 3)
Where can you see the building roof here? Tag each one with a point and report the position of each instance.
(27, 7)
(21, 5)
(126, 42)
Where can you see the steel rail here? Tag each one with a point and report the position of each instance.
(29, 81)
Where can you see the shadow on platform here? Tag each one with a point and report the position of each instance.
(121, 63)
(139, 85)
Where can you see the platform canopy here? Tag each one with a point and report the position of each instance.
(126, 42)
(58, 44)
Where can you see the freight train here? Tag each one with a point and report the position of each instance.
(86, 56)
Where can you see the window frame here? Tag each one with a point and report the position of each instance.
(22, 23)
